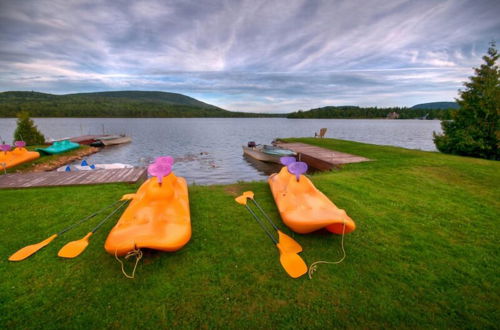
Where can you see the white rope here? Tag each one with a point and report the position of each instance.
(137, 253)
(314, 265)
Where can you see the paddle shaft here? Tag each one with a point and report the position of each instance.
(262, 225)
(86, 218)
(107, 217)
(265, 215)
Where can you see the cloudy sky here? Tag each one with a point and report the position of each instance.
(256, 55)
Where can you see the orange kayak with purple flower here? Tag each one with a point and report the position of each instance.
(303, 208)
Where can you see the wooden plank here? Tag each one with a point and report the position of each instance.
(51, 179)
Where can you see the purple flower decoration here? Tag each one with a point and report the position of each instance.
(287, 160)
(297, 168)
(159, 170)
(5, 147)
(20, 144)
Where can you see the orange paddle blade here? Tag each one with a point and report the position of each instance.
(26, 251)
(75, 248)
(293, 264)
(288, 244)
(248, 194)
(241, 200)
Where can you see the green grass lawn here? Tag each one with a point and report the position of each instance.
(424, 254)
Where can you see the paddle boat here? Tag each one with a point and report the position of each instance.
(58, 147)
(266, 153)
(17, 156)
(158, 215)
(303, 208)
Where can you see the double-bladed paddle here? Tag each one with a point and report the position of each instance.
(29, 250)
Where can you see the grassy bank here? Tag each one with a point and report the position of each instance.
(425, 254)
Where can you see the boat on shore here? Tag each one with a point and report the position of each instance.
(111, 140)
(82, 167)
(59, 147)
(267, 153)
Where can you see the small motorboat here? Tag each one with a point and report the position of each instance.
(266, 153)
(111, 140)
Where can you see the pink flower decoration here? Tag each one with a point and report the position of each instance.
(165, 160)
(5, 147)
(20, 144)
(159, 170)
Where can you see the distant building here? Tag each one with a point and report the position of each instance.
(393, 115)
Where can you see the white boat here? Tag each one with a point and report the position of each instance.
(72, 168)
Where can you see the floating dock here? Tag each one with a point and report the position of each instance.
(320, 158)
(54, 179)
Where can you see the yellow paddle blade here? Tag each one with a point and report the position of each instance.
(248, 194)
(26, 251)
(288, 244)
(293, 264)
(127, 197)
(241, 200)
(75, 248)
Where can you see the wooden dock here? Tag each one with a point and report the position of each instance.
(320, 158)
(53, 179)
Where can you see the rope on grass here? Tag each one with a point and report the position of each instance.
(314, 265)
(137, 253)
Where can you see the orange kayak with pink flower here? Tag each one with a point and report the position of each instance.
(158, 216)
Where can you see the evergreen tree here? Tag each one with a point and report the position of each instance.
(474, 128)
(27, 131)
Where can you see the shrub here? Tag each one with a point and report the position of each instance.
(27, 131)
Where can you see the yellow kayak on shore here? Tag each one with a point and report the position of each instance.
(157, 218)
(17, 156)
(304, 208)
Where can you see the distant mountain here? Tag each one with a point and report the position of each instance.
(436, 105)
(111, 104)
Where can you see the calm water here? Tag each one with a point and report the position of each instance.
(208, 150)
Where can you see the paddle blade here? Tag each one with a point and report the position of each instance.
(241, 200)
(248, 194)
(288, 244)
(26, 251)
(293, 264)
(127, 197)
(75, 248)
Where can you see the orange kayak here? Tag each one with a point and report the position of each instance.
(17, 156)
(157, 218)
(304, 208)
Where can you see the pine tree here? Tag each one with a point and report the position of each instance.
(27, 131)
(474, 128)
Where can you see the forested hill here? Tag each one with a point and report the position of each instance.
(111, 104)
(436, 105)
(353, 112)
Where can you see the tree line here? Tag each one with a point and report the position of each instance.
(353, 112)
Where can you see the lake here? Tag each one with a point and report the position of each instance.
(208, 150)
